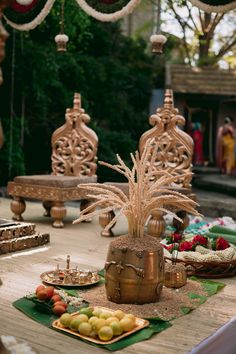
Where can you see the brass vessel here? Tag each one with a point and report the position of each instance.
(175, 275)
(134, 276)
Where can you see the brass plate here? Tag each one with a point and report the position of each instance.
(48, 277)
(140, 324)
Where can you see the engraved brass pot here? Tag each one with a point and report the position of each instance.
(175, 275)
(134, 273)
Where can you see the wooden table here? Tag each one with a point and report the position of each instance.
(20, 275)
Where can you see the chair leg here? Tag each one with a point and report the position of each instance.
(83, 205)
(47, 204)
(181, 226)
(104, 220)
(156, 224)
(18, 208)
(58, 212)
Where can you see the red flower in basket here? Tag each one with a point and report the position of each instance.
(175, 237)
(169, 248)
(221, 244)
(186, 246)
(200, 240)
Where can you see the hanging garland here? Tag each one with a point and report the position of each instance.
(215, 5)
(25, 15)
(108, 10)
(107, 6)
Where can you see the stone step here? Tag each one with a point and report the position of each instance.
(216, 183)
(215, 205)
(24, 242)
(206, 170)
(12, 229)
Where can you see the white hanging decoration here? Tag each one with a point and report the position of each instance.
(36, 21)
(111, 17)
(24, 2)
(157, 42)
(61, 41)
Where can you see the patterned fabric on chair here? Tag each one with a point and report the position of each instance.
(174, 154)
(74, 161)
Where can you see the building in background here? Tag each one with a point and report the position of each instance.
(205, 96)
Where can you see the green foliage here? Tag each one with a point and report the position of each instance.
(12, 154)
(112, 73)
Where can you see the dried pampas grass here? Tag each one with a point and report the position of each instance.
(148, 191)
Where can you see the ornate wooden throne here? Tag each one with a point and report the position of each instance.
(74, 149)
(175, 151)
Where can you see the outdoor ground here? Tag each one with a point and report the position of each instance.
(20, 275)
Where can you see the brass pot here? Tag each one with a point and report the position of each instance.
(134, 273)
(175, 275)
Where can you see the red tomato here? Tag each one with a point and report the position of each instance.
(50, 291)
(39, 288)
(56, 298)
(59, 310)
(42, 294)
(60, 303)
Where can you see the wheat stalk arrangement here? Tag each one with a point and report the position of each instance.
(148, 191)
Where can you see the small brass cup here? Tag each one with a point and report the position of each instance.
(175, 275)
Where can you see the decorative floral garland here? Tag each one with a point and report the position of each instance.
(108, 17)
(25, 15)
(107, 6)
(199, 249)
(215, 6)
(24, 2)
(42, 10)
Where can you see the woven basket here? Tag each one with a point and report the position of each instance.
(209, 269)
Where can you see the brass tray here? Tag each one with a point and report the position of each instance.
(49, 278)
(140, 324)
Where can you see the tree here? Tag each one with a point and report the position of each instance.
(207, 37)
(112, 72)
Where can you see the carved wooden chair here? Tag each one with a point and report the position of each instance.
(74, 161)
(175, 151)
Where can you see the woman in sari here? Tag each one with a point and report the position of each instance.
(225, 147)
(197, 136)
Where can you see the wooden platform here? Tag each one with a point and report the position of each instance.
(20, 275)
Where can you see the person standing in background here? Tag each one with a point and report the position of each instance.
(197, 135)
(225, 144)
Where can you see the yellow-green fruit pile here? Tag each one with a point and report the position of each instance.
(98, 323)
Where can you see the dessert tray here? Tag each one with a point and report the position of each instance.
(140, 323)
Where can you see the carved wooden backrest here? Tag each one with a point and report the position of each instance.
(175, 149)
(74, 145)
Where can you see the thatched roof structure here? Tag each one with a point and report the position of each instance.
(185, 79)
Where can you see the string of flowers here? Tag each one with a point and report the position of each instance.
(207, 7)
(35, 22)
(148, 191)
(108, 17)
